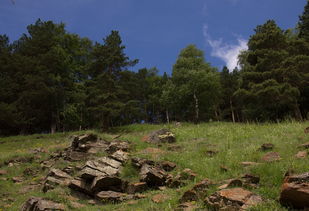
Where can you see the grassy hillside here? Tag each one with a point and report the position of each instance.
(235, 143)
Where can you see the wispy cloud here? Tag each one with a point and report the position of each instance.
(225, 51)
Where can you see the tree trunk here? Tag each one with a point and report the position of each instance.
(232, 110)
(196, 108)
(53, 124)
(298, 113)
(167, 117)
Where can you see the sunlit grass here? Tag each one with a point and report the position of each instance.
(235, 143)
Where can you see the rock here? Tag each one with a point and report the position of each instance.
(167, 165)
(96, 168)
(28, 188)
(107, 183)
(47, 164)
(17, 179)
(153, 176)
(118, 145)
(3, 172)
(295, 191)
(301, 154)
(304, 146)
(76, 156)
(267, 146)
(187, 174)
(112, 197)
(250, 179)
(81, 185)
(306, 130)
(248, 163)
(189, 195)
(233, 199)
(120, 156)
(160, 136)
(110, 162)
(81, 143)
(175, 148)
(224, 168)
(30, 172)
(271, 157)
(211, 153)
(76, 205)
(202, 185)
(174, 182)
(39, 204)
(159, 198)
(69, 169)
(136, 187)
(139, 162)
(187, 206)
(231, 183)
(56, 177)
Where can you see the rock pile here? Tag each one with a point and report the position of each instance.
(39, 204)
(160, 136)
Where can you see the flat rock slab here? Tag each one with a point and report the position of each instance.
(137, 187)
(160, 136)
(295, 191)
(112, 197)
(95, 168)
(120, 156)
(39, 204)
(271, 157)
(233, 199)
(118, 145)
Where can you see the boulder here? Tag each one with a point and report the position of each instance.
(233, 199)
(186, 174)
(295, 191)
(51, 182)
(190, 195)
(267, 146)
(120, 156)
(167, 165)
(82, 143)
(137, 187)
(271, 157)
(160, 136)
(80, 185)
(39, 204)
(118, 145)
(95, 168)
(139, 162)
(153, 176)
(107, 161)
(107, 183)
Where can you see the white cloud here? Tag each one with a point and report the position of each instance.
(225, 51)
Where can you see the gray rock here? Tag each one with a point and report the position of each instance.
(153, 176)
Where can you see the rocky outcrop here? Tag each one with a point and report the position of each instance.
(54, 178)
(160, 136)
(233, 199)
(153, 175)
(40, 204)
(295, 191)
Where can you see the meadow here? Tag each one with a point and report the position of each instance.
(235, 143)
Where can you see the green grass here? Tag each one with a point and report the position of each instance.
(235, 142)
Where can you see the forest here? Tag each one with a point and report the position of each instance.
(53, 80)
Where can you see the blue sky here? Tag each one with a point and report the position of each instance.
(155, 31)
